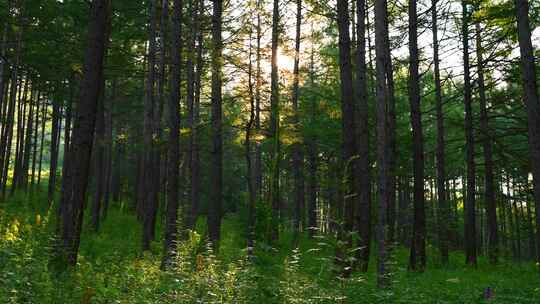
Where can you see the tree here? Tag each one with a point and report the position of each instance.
(530, 89)
(83, 132)
(417, 259)
(149, 202)
(470, 208)
(347, 122)
(440, 155)
(364, 172)
(173, 159)
(489, 180)
(275, 155)
(298, 155)
(382, 99)
(216, 176)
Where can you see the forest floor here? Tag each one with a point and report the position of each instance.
(111, 269)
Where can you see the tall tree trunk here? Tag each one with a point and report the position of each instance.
(7, 130)
(530, 89)
(28, 142)
(216, 174)
(275, 154)
(298, 154)
(417, 258)
(444, 211)
(35, 141)
(108, 150)
(192, 62)
(42, 140)
(312, 150)
(392, 141)
(98, 157)
(149, 204)
(470, 208)
(382, 99)
(19, 142)
(250, 176)
(348, 130)
(83, 132)
(173, 159)
(489, 187)
(195, 148)
(54, 151)
(363, 214)
(258, 83)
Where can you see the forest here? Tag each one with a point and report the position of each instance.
(267, 151)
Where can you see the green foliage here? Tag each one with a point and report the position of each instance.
(111, 270)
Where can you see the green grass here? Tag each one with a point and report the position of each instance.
(111, 268)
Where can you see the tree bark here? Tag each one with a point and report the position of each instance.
(470, 208)
(275, 154)
(216, 174)
(54, 150)
(83, 132)
(298, 153)
(149, 203)
(382, 100)
(489, 186)
(348, 133)
(363, 214)
(173, 159)
(530, 89)
(99, 158)
(417, 258)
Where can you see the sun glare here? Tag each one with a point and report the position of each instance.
(285, 62)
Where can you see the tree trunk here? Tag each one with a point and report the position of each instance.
(489, 187)
(7, 130)
(275, 154)
(173, 158)
(417, 258)
(28, 142)
(444, 211)
(35, 141)
(250, 176)
(382, 99)
(148, 202)
(470, 208)
(312, 153)
(258, 83)
(363, 214)
(298, 154)
(54, 150)
(83, 132)
(216, 172)
(98, 157)
(530, 89)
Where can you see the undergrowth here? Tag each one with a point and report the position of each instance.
(111, 268)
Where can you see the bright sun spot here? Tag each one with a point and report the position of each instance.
(285, 62)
